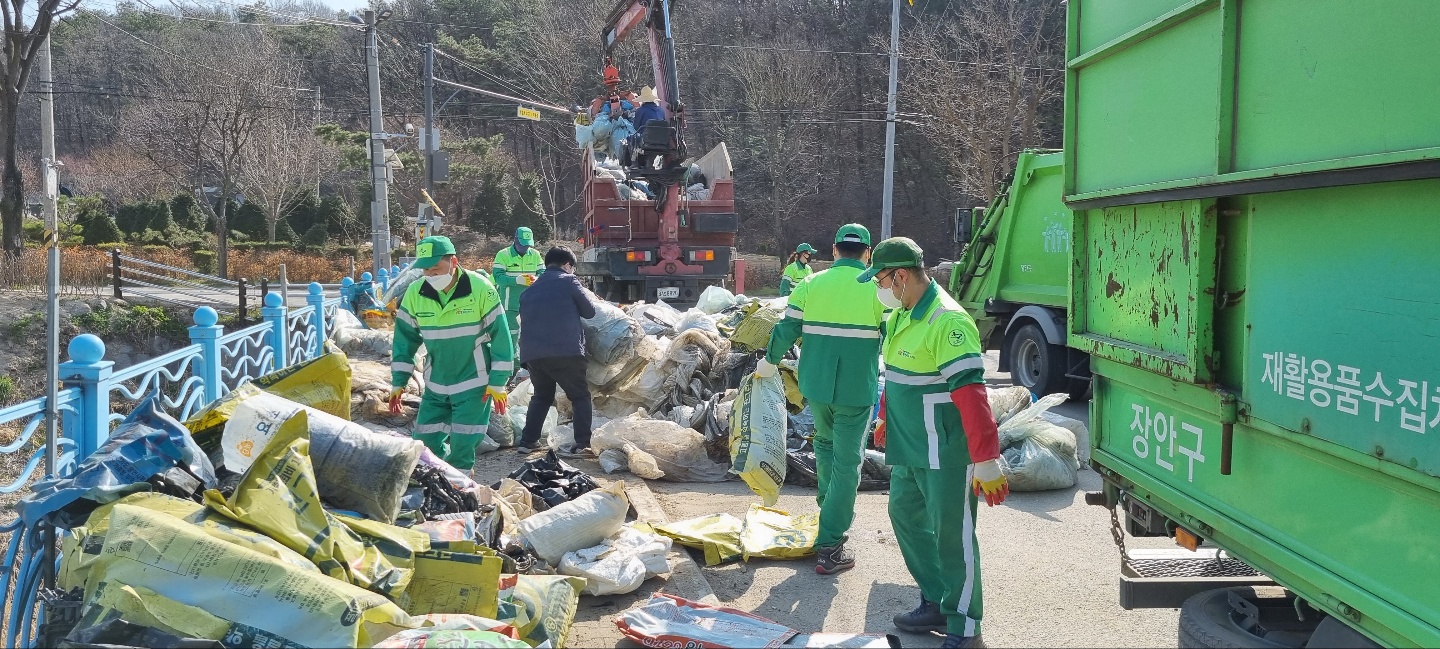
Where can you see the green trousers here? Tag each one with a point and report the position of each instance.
(839, 451)
(460, 419)
(933, 513)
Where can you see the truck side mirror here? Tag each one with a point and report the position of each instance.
(964, 225)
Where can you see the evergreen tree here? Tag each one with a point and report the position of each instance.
(284, 233)
(100, 228)
(161, 219)
(249, 220)
(528, 210)
(185, 213)
(490, 211)
(133, 218)
(315, 238)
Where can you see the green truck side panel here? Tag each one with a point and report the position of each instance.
(1029, 262)
(1317, 309)
(1216, 91)
(1141, 287)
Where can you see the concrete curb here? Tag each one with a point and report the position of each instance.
(686, 579)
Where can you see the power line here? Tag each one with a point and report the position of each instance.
(858, 53)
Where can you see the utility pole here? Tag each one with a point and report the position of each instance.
(428, 218)
(317, 149)
(887, 199)
(380, 205)
(50, 169)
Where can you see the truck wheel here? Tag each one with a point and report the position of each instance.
(1208, 621)
(1035, 364)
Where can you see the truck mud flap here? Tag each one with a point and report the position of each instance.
(1166, 578)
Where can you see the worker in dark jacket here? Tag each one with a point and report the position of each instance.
(552, 348)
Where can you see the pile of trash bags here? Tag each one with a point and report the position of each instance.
(271, 519)
(1039, 448)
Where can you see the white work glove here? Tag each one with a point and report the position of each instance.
(765, 369)
(990, 483)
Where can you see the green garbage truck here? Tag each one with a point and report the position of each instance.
(1256, 195)
(1013, 276)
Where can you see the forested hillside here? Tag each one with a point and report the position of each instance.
(269, 100)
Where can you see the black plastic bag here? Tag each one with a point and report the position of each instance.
(119, 633)
(802, 471)
(552, 480)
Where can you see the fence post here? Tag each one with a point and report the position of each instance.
(244, 305)
(347, 290)
(115, 272)
(206, 333)
(383, 279)
(284, 286)
(317, 300)
(394, 272)
(87, 369)
(274, 312)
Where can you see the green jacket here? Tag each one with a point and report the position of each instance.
(509, 266)
(794, 274)
(930, 351)
(840, 321)
(464, 333)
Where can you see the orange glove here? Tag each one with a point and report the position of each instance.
(395, 400)
(879, 435)
(989, 482)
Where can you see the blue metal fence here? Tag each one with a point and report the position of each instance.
(189, 379)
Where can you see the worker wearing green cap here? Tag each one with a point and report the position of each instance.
(797, 268)
(939, 436)
(456, 314)
(839, 365)
(515, 269)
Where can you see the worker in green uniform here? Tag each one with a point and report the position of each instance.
(797, 268)
(515, 269)
(939, 437)
(457, 315)
(839, 365)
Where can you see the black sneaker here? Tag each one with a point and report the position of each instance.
(834, 558)
(572, 452)
(953, 641)
(926, 618)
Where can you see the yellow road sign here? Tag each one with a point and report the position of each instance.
(527, 113)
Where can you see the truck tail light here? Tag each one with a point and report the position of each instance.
(638, 255)
(702, 255)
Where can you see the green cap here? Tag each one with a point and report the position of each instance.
(524, 237)
(431, 250)
(895, 252)
(804, 247)
(853, 233)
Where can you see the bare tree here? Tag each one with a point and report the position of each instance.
(282, 163)
(777, 134)
(21, 47)
(984, 74)
(207, 109)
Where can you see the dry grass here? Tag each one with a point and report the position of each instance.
(86, 270)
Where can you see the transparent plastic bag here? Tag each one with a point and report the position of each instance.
(1033, 466)
(610, 336)
(715, 299)
(697, 319)
(678, 453)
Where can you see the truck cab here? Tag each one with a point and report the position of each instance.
(1013, 276)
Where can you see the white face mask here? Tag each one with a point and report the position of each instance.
(888, 297)
(440, 282)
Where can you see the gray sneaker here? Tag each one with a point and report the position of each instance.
(834, 558)
(925, 618)
(526, 449)
(953, 641)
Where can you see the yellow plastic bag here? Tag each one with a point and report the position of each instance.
(774, 534)
(753, 332)
(454, 582)
(757, 435)
(540, 607)
(400, 545)
(147, 608)
(277, 496)
(322, 383)
(180, 562)
(718, 535)
(82, 546)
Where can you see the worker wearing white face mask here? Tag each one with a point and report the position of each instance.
(939, 436)
(458, 316)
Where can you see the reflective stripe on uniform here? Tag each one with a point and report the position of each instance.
(490, 317)
(838, 332)
(932, 426)
(468, 429)
(425, 429)
(458, 388)
(502, 366)
(892, 376)
(405, 368)
(447, 334)
(972, 363)
(406, 318)
(972, 560)
(792, 312)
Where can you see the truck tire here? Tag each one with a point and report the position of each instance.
(1207, 621)
(1035, 364)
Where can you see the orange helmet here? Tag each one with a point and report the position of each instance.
(612, 75)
